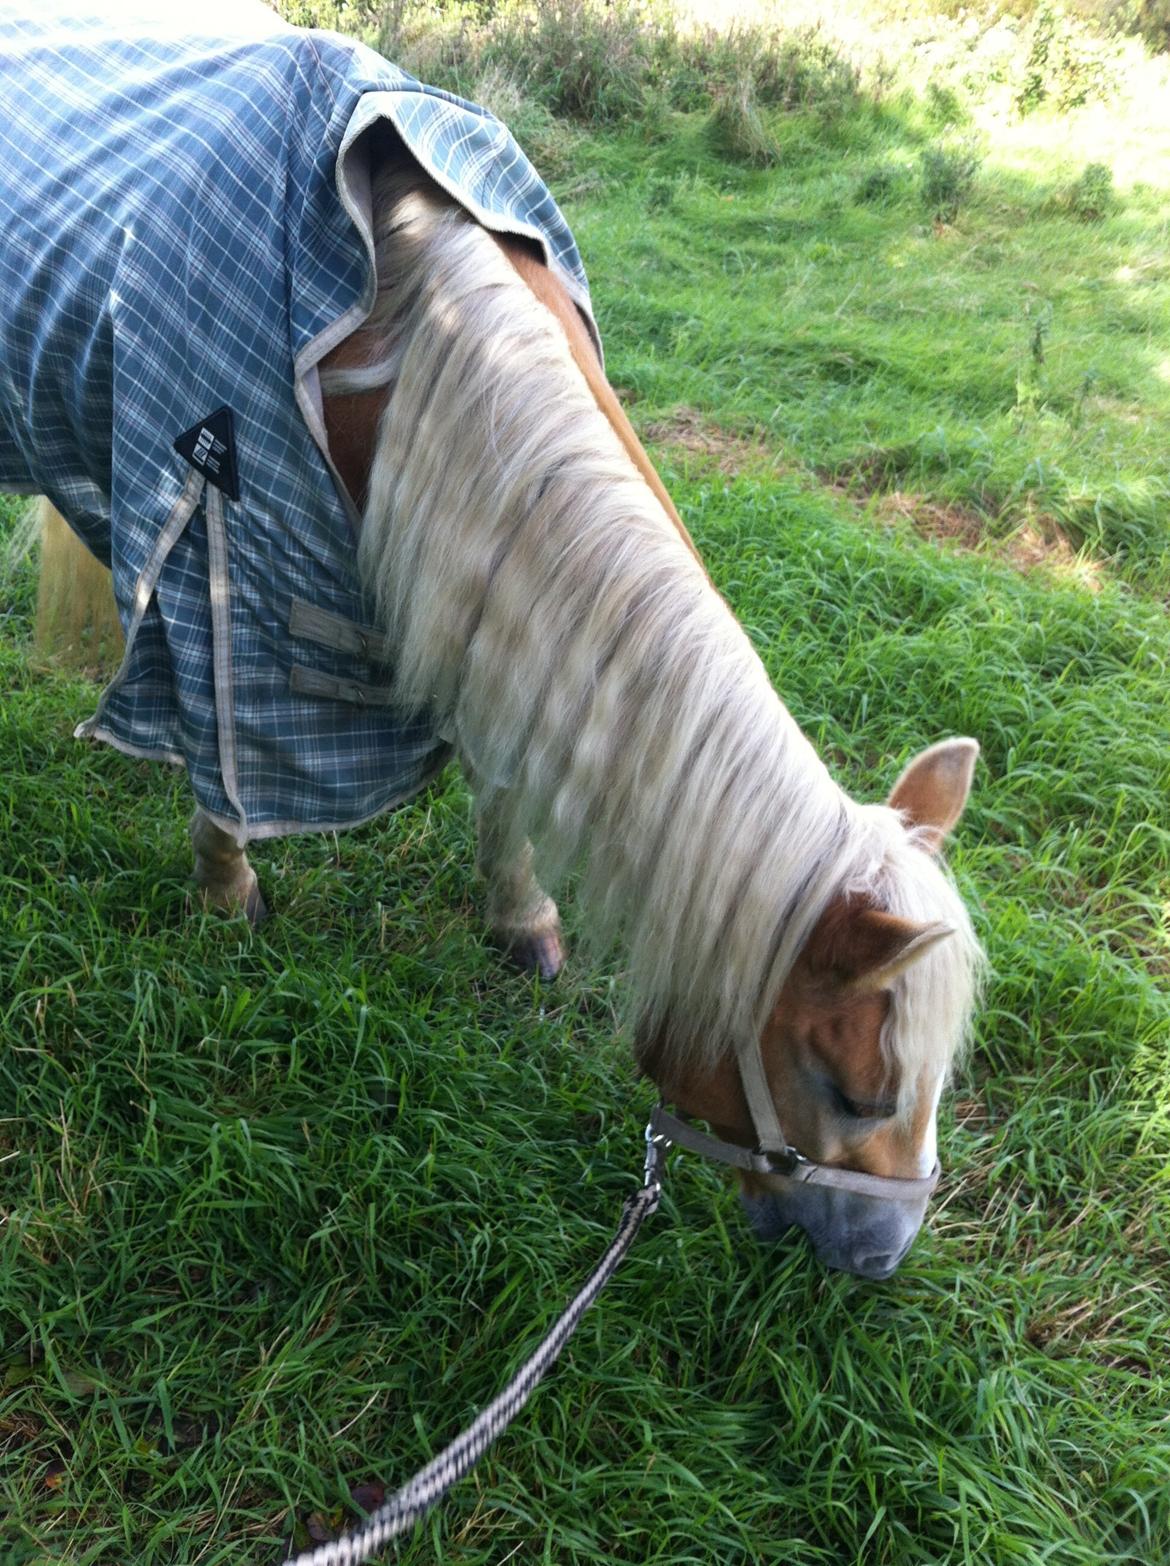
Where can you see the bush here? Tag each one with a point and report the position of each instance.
(944, 106)
(605, 61)
(599, 62)
(1151, 21)
(355, 17)
(1065, 65)
(946, 180)
(784, 69)
(1092, 197)
(880, 185)
(582, 59)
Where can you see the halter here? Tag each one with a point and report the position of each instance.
(773, 1153)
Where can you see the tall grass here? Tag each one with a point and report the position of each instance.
(602, 61)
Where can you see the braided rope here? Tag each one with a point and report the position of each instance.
(431, 1483)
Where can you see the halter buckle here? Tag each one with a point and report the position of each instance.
(786, 1162)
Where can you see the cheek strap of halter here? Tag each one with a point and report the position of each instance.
(761, 1105)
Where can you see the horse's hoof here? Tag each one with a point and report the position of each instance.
(542, 955)
(233, 903)
(254, 905)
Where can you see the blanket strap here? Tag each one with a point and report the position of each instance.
(337, 633)
(311, 682)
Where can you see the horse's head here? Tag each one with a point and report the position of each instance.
(854, 1053)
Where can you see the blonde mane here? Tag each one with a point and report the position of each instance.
(549, 615)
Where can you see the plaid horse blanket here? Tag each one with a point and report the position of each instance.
(184, 233)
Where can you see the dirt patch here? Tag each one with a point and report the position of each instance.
(687, 430)
(1035, 546)
(1051, 550)
(952, 523)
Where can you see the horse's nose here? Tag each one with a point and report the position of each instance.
(878, 1264)
(847, 1234)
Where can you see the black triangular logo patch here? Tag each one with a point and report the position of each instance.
(210, 446)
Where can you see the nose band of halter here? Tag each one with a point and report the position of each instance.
(667, 1128)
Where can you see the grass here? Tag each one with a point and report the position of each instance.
(282, 1210)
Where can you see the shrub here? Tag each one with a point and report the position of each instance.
(1065, 65)
(946, 180)
(785, 69)
(340, 16)
(1092, 197)
(1151, 20)
(944, 105)
(880, 185)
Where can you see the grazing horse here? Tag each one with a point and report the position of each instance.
(801, 968)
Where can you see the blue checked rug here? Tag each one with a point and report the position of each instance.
(184, 233)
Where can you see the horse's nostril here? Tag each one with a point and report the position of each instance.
(879, 1264)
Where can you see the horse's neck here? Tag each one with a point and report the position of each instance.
(548, 612)
(547, 287)
(351, 418)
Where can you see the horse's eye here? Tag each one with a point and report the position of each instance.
(857, 1111)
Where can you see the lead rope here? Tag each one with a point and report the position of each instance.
(418, 1495)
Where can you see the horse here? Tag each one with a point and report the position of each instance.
(801, 969)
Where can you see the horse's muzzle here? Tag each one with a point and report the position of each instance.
(867, 1236)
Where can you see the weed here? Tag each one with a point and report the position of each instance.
(661, 194)
(584, 60)
(1090, 381)
(786, 68)
(1031, 381)
(344, 16)
(600, 63)
(944, 105)
(738, 129)
(1151, 19)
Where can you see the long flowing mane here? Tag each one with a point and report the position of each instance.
(549, 614)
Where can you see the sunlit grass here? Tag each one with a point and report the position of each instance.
(1008, 362)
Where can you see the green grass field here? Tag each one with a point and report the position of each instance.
(280, 1212)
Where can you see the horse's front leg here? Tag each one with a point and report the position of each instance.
(222, 873)
(522, 918)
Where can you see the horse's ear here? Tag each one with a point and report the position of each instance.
(933, 790)
(860, 949)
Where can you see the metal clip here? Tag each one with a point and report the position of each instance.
(656, 1146)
